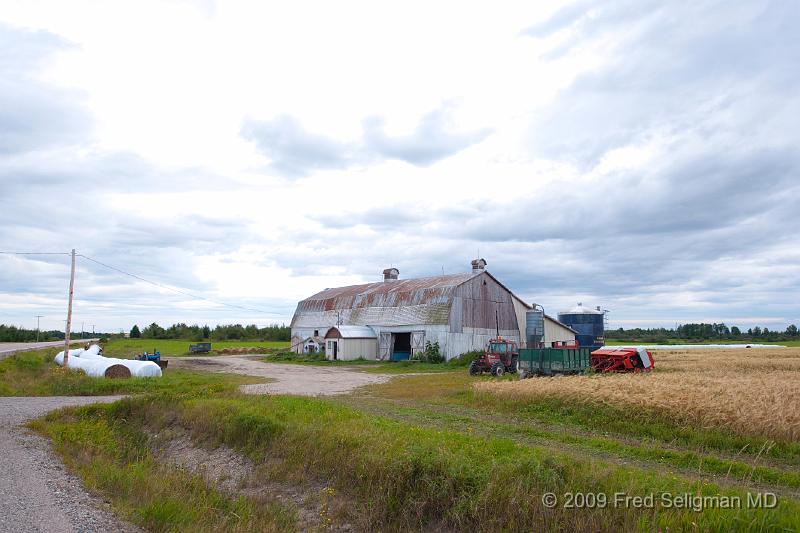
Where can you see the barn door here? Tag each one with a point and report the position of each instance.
(385, 347)
(417, 342)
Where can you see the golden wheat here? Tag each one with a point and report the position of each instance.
(755, 391)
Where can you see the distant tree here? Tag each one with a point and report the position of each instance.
(154, 331)
(735, 331)
(135, 333)
(206, 331)
(756, 331)
(791, 330)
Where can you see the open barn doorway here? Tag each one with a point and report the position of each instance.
(402, 346)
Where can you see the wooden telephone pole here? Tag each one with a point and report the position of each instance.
(69, 311)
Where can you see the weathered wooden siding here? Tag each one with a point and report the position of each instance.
(481, 297)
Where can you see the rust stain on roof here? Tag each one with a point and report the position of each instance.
(394, 293)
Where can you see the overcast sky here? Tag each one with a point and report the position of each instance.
(638, 155)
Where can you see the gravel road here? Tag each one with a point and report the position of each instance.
(36, 492)
(8, 348)
(305, 380)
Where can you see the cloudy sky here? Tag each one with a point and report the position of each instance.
(639, 155)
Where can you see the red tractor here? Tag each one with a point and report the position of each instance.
(501, 356)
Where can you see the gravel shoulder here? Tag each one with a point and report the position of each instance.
(38, 494)
(288, 379)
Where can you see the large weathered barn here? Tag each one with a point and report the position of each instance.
(459, 311)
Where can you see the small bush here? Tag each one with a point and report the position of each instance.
(431, 354)
(465, 358)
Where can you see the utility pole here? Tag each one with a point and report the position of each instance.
(69, 311)
(93, 330)
(37, 326)
(82, 328)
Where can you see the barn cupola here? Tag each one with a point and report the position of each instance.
(478, 265)
(390, 274)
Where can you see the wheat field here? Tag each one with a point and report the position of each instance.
(752, 391)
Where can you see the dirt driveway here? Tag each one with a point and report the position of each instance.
(305, 380)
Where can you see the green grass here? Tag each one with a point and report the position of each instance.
(127, 348)
(35, 374)
(424, 453)
(454, 390)
(395, 475)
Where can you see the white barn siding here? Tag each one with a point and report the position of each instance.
(553, 331)
(521, 310)
(350, 349)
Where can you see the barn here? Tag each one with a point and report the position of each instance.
(459, 311)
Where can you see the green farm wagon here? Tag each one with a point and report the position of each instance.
(552, 361)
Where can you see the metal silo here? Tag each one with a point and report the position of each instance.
(588, 323)
(534, 328)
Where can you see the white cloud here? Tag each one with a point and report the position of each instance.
(639, 155)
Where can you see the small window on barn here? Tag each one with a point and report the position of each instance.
(316, 333)
(484, 282)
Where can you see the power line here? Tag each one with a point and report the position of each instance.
(167, 287)
(35, 253)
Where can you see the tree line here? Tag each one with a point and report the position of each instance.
(15, 334)
(705, 332)
(252, 332)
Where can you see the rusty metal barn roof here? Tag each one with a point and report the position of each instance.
(393, 293)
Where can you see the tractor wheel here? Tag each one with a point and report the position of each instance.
(498, 368)
(474, 368)
(512, 369)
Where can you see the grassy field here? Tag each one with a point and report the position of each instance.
(34, 374)
(127, 348)
(623, 342)
(745, 391)
(444, 451)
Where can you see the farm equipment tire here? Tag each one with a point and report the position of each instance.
(512, 369)
(498, 368)
(475, 368)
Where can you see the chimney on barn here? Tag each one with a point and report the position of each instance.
(478, 265)
(390, 274)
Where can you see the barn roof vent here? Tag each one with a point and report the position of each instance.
(478, 265)
(390, 273)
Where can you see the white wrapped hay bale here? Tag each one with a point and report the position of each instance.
(95, 365)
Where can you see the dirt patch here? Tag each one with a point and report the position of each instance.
(231, 472)
(305, 380)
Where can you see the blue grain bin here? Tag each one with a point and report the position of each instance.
(588, 323)
(534, 328)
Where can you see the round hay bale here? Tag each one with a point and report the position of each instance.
(118, 371)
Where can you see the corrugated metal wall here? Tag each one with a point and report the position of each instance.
(354, 348)
(553, 331)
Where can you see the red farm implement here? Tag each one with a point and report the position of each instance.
(622, 360)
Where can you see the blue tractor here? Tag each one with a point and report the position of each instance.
(154, 357)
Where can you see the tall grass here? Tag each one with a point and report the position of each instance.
(401, 476)
(114, 459)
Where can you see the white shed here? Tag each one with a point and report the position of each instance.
(351, 342)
